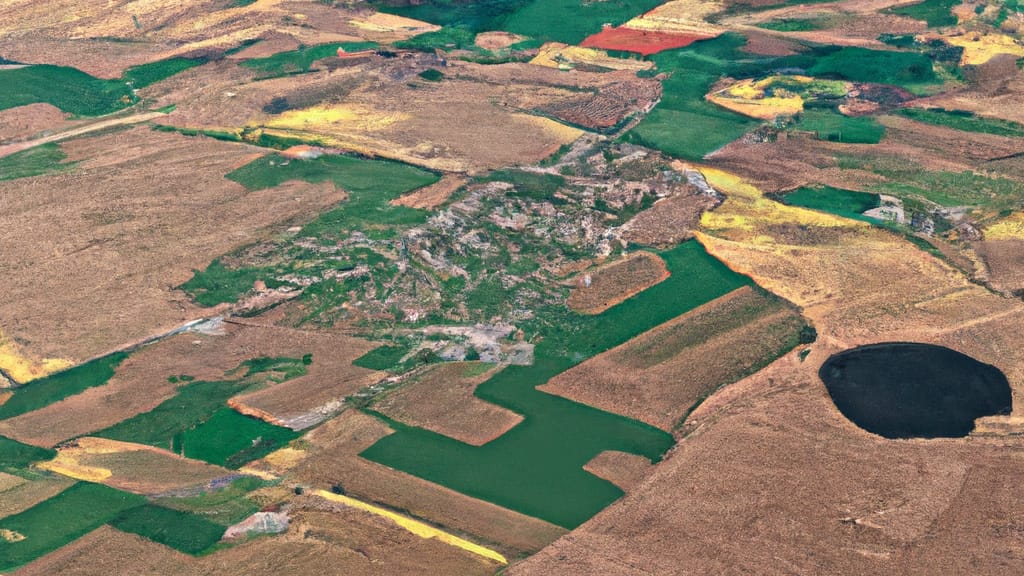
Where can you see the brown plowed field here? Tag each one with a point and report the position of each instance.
(333, 459)
(25, 121)
(431, 196)
(26, 495)
(667, 223)
(615, 282)
(91, 255)
(623, 469)
(441, 399)
(1004, 260)
(658, 376)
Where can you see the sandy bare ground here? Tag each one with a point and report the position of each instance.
(441, 399)
(91, 256)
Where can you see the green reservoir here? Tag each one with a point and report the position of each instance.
(536, 468)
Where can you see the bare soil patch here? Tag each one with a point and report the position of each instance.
(431, 196)
(601, 288)
(497, 40)
(441, 399)
(1004, 261)
(25, 121)
(623, 469)
(658, 376)
(92, 255)
(333, 459)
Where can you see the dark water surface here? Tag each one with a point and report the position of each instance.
(908, 390)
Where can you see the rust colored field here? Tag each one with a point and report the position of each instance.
(660, 375)
(644, 42)
(606, 286)
(23, 496)
(131, 467)
(441, 399)
(623, 469)
(1004, 260)
(333, 459)
(91, 256)
(25, 121)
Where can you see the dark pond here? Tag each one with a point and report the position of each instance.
(908, 390)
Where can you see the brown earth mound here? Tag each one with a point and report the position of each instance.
(623, 469)
(441, 399)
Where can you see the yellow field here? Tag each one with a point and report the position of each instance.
(22, 369)
(747, 211)
(747, 97)
(563, 56)
(416, 527)
(397, 27)
(1009, 228)
(346, 116)
(680, 16)
(979, 49)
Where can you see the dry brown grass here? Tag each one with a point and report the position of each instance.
(658, 376)
(26, 121)
(612, 283)
(667, 223)
(1004, 262)
(131, 467)
(441, 399)
(91, 256)
(333, 459)
(26, 495)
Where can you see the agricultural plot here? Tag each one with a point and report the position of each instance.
(14, 455)
(132, 241)
(58, 386)
(300, 60)
(22, 493)
(43, 159)
(601, 288)
(441, 399)
(182, 531)
(659, 376)
(559, 436)
(845, 203)
(59, 520)
(963, 120)
(130, 467)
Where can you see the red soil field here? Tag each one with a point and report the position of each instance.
(644, 42)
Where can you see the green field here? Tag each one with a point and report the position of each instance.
(44, 159)
(845, 203)
(184, 531)
(558, 436)
(67, 516)
(909, 70)
(537, 186)
(300, 60)
(218, 284)
(69, 89)
(197, 423)
(935, 12)
(571, 21)
(962, 120)
(14, 455)
(795, 24)
(476, 16)
(225, 507)
(45, 391)
(230, 439)
(146, 74)
(833, 126)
